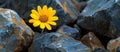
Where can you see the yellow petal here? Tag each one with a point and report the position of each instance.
(54, 18)
(35, 12)
(50, 11)
(39, 10)
(32, 20)
(37, 23)
(42, 26)
(34, 16)
(53, 12)
(45, 9)
(48, 26)
(53, 23)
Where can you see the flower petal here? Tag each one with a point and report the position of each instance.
(53, 23)
(39, 10)
(48, 26)
(32, 20)
(37, 23)
(42, 26)
(54, 18)
(35, 12)
(53, 12)
(50, 9)
(45, 9)
(34, 16)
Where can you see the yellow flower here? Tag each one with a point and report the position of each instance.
(43, 17)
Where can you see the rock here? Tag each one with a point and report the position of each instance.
(92, 41)
(114, 27)
(102, 17)
(114, 45)
(118, 49)
(56, 42)
(79, 5)
(15, 35)
(94, 6)
(100, 50)
(69, 8)
(73, 32)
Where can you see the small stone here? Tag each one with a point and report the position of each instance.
(73, 32)
(15, 35)
(56, 42)
(92, 41)
(114, 45)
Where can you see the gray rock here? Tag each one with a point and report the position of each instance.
(102, 17)
(118, 49)
(94, 6)
(100, 50)
(15, 35)
(73, 32)
(69, 8)
(56, 42)
(114, 28)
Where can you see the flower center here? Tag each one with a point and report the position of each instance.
(43, 18)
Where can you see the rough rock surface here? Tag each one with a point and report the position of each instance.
(56, 42)
(15, 35)
(92, 41)
(73, 32)
(102, 17)
(114, 45)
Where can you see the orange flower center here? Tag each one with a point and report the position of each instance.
(43, 18)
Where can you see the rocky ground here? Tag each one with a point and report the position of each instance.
(83, 26)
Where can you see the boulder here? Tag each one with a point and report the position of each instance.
(15, 35)
(102, 17)
(56, 42)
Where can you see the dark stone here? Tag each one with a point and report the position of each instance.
(73, 32)
(118, 49)
(70, 9)
(100, 50)
(114, 28)
(94, 6)
(56, 42)
(15, 35)
(102, 17)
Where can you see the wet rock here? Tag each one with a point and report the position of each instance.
(92, 41)
(73, 32)
(56, 42)
(102, 17)
(15, 35)
(114, 45)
